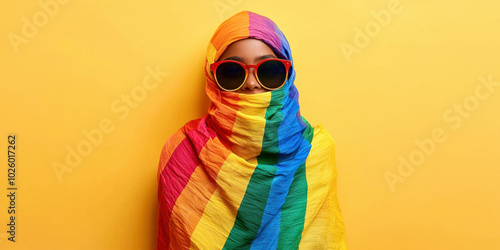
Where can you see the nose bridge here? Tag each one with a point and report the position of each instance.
(251, 81)
(251, 70)
(250, 67)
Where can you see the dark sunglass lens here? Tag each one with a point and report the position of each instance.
(272, 74)
(230, 75)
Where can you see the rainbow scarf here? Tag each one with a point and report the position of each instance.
(252, 173)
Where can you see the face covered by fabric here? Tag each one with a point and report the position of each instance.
(253, 124)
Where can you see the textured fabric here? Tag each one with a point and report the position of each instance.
(252, 173)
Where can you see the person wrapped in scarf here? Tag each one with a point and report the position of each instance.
(252, 173)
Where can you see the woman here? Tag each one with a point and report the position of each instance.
(252, 173)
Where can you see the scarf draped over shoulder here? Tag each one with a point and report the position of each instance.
(252, 173)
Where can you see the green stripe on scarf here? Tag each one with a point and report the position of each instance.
(251, 210)
(294, 209)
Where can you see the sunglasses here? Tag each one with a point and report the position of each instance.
(270, 73)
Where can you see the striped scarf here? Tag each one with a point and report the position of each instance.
(252, 173)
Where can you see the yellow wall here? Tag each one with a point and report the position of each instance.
(410, 91)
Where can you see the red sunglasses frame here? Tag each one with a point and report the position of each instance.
(215, 65)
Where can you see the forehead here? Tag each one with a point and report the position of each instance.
(248, 49)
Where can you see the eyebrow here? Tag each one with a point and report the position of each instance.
(259, 58)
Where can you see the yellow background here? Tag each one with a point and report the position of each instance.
(402, 83)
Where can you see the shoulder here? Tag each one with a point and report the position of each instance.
(321, 158)
(322, 137)
(174, 141)
(180, 134)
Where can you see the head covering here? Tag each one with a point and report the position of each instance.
(252, 173)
